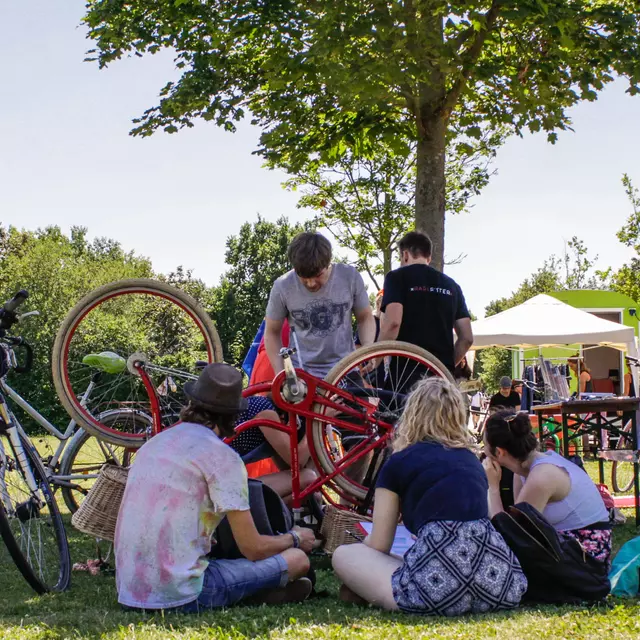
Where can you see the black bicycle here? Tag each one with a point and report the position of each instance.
(30, 522)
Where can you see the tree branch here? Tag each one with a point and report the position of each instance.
(363, 261)
(405, 88)
(462, 37)
(470, 58)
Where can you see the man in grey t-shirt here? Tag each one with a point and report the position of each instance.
(318, 298)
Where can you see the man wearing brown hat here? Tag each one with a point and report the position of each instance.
(183, 483)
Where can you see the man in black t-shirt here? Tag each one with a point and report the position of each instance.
(423, 306)
(506, 397)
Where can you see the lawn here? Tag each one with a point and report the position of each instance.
(89, 610)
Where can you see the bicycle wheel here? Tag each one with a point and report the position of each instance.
(622, 472)
(386, 388)
(109, 334)
(85, 455)
(30, 522)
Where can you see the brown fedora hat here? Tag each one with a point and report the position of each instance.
(218, 388)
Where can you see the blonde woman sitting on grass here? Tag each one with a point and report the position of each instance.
(459, 563)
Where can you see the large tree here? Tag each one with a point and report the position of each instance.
(322, 78)
(367, 204)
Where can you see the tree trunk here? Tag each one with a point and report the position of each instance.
(386, 260)
(430, 185)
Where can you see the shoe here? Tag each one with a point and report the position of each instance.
(297, 591)
(346, 595)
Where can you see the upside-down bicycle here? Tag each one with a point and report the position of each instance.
(349, 416)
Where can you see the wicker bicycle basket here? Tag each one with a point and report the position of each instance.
(340, 527)
(98, 512)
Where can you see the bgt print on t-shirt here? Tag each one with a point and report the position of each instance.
(321, 317)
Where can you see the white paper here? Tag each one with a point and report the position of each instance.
(402, 541)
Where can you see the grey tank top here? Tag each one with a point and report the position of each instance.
(583, 505)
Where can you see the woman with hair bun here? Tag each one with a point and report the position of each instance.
(560, 490)
(459, 562)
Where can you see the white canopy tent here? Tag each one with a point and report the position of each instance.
(544, 321)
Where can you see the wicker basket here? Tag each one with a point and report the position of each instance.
(98, 512)
(340, 527)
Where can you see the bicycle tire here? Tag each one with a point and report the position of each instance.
(121, 287)
(79, 440)
(616, 466)
(346, 364)
(6, 532)
(615, 484)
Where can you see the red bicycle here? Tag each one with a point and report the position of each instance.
(161, 332)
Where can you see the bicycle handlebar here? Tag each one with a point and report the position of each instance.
(16, 301)
(8, 315)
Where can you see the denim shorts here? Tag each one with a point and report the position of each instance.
(226, 582)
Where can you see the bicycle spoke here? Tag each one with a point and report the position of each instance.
(165, 332)
(378, 394)
(29, 519)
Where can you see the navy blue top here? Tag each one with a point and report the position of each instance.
(435, 483)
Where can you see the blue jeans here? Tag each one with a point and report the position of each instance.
(226, 582)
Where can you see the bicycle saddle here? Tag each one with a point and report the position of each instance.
(201, 364)
(107, 361)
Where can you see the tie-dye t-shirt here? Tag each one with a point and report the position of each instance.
(181, 484)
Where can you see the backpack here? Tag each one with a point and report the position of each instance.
(269, 512)
(556, 567)
(625, 570)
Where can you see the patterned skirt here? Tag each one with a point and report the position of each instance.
(456, 568)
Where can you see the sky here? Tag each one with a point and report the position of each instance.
(66, 158)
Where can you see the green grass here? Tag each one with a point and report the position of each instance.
(90, 610)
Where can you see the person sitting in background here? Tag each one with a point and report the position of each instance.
(272, 444)
(181, 485)
(459, 563)
(560, 490)
(506, 398)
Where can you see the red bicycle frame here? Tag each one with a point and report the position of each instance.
(319, 392)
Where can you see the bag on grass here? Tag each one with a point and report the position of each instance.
(269, 512)
(557, 568)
